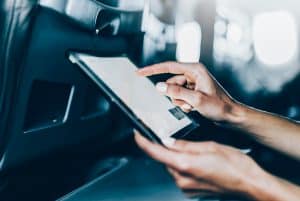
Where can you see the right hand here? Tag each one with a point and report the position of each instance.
(208, 168)
(194, 87)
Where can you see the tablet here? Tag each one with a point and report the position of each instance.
(152, 113)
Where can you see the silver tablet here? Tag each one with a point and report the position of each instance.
(152, 113)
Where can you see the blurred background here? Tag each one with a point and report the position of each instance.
(252, 47)
(60, 132)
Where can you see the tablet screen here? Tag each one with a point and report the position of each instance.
(139, 94)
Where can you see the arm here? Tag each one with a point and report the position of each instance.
(206, 168)
(194, 87)
(275, 131)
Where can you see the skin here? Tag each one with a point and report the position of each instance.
(204, 168)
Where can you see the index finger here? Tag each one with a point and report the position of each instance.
(168, 67)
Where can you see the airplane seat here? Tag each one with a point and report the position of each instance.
(46, 103)
(52, 115)
(15, 23)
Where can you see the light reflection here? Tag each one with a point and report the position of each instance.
(275, 37)
(233, 42)
(258, 44)
(234, 33)
(189, 38)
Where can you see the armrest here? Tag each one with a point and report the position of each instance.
(138, 180)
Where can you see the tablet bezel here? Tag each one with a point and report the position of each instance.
(140, 126)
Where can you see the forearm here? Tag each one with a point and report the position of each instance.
(272, 130)
(270, 188)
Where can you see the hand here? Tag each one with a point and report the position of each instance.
(207, 167)
(202, 92)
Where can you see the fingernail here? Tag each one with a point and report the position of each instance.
(169, 142)
(187, 107)
(162, 87)
(246, 151)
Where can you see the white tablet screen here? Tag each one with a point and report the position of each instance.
(139, 94)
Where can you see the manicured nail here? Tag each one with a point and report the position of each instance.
(162, 87)
(187, 107)
(246, 151)
(169, 142)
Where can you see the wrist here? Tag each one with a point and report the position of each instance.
(237, 114)
(262, 187)
(256, 188)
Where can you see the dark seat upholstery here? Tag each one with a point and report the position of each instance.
(46, 103)
(51, 115)
(16, 17)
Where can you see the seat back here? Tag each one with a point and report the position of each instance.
(15, 22)
(46, 103)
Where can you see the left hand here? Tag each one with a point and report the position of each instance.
(207, 167)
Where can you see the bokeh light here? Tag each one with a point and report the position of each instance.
(189, 38)
(275, 37)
